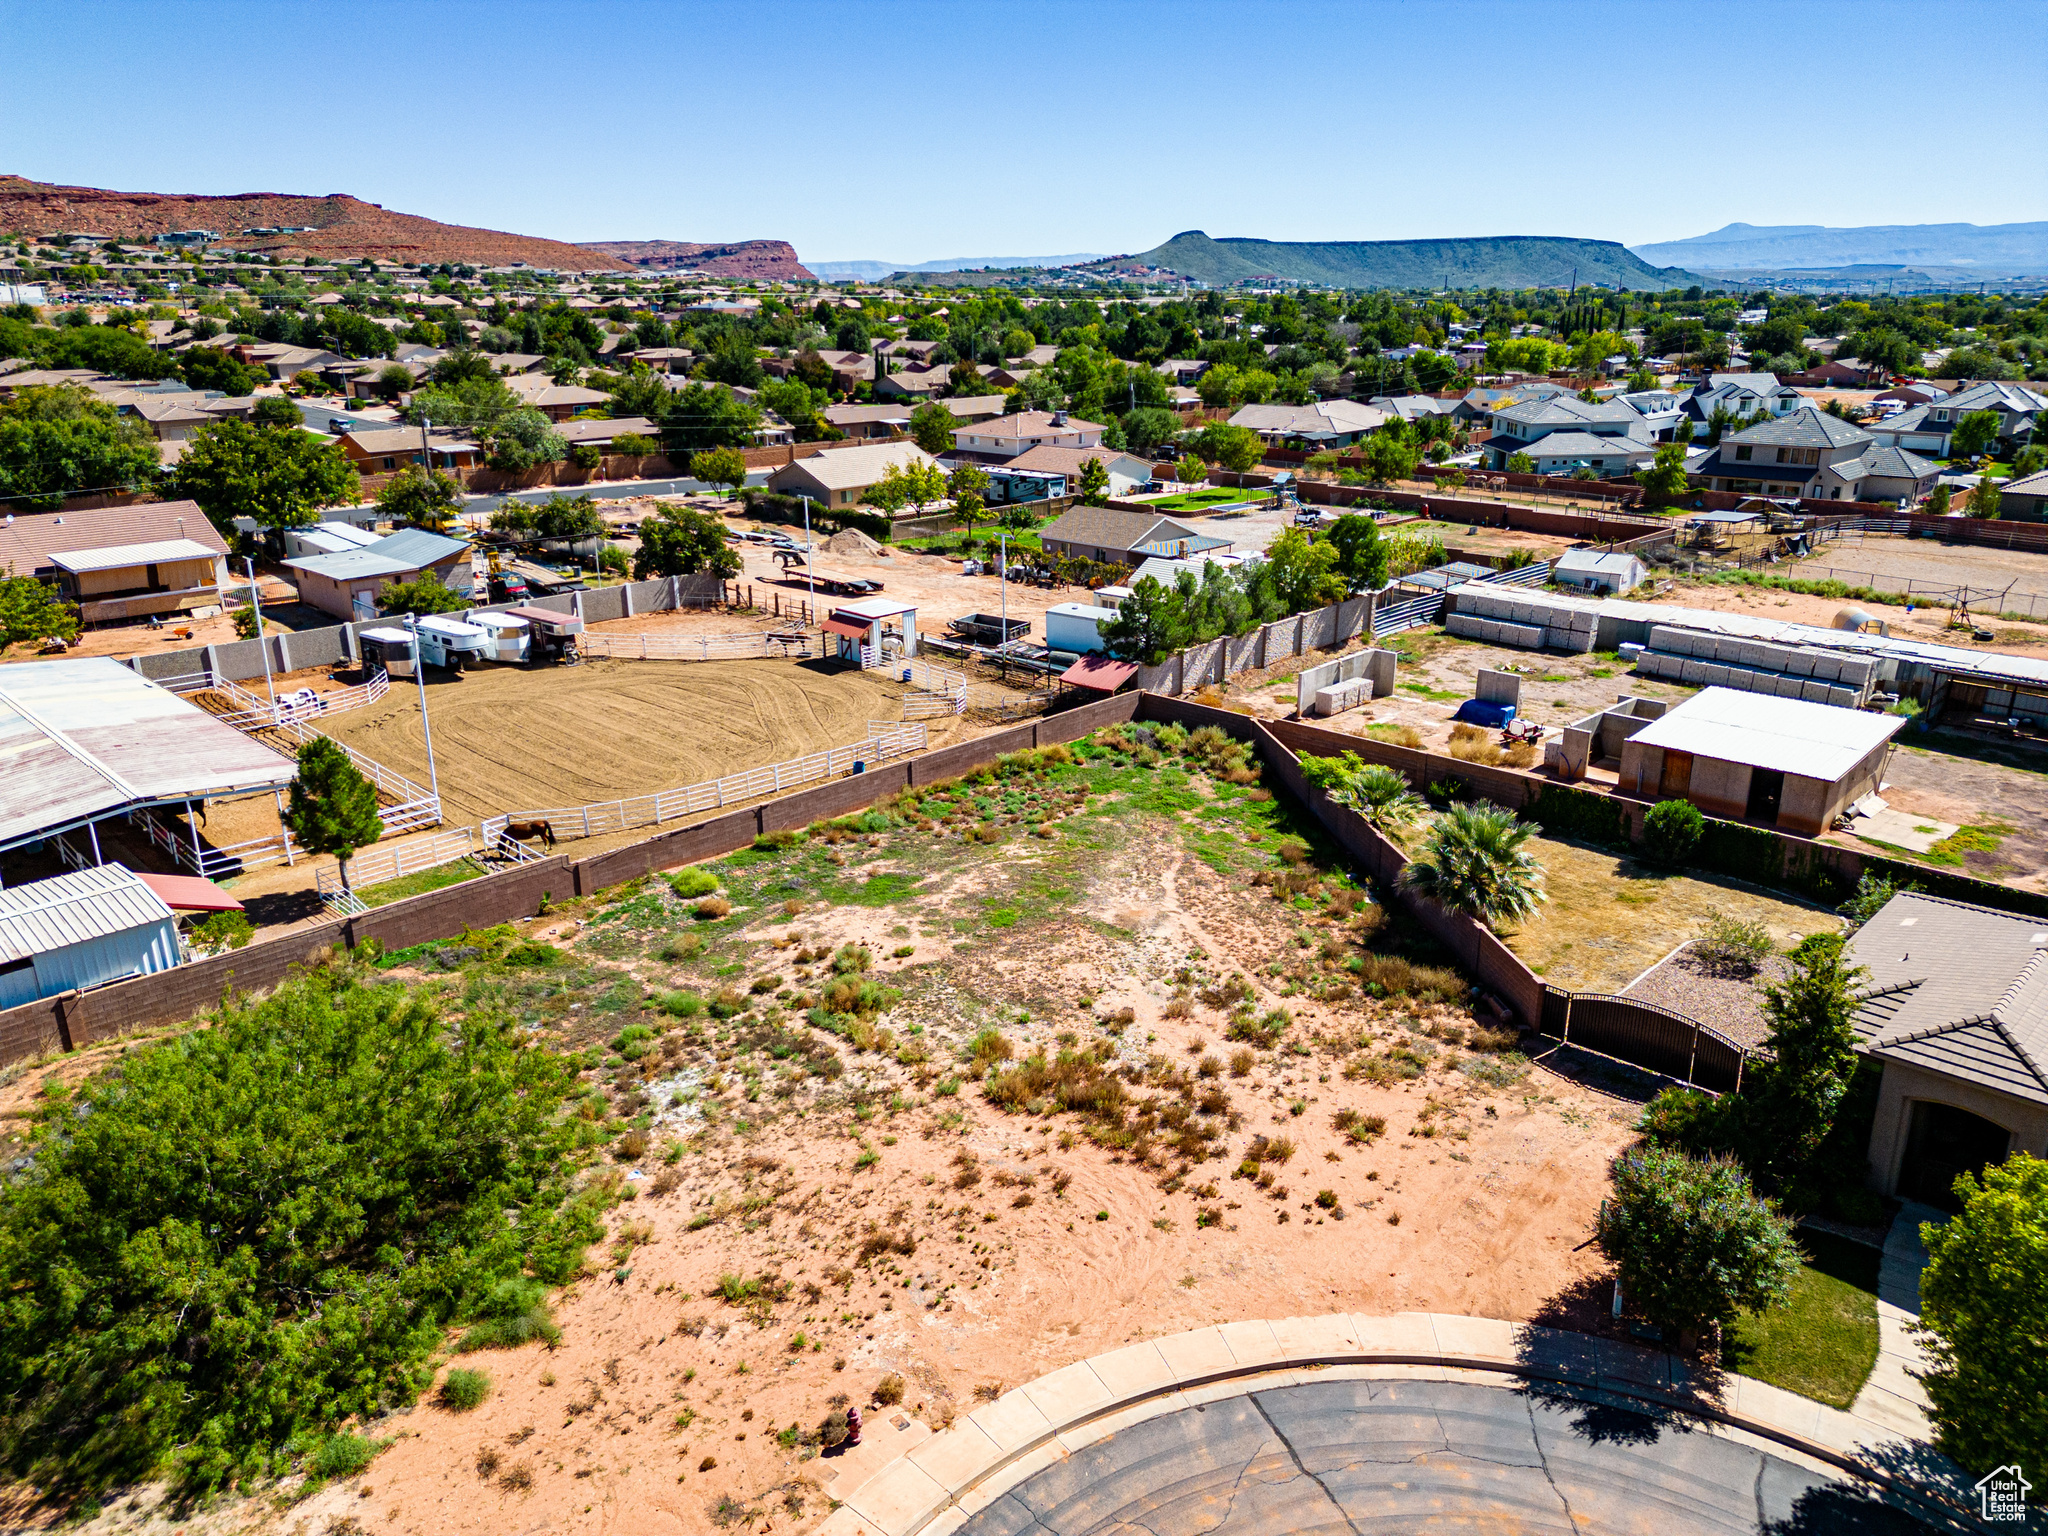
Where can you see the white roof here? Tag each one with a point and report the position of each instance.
(441, 624)
(1082, 611)
(115, 556)
(1598, 560)
(874, 608)
(1814, 741)
(385, 635)
(72, 909)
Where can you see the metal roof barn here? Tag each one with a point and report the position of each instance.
(1814, 741)
(88, 738)
(82, 930)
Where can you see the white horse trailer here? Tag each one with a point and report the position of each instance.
(507, 637)
(451, 643)
(386, 649)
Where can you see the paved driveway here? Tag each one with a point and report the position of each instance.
(1397, 1457)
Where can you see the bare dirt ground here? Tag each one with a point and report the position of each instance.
(1925, 624)
(875, 1214)
(1997, 795)
(1889, 564)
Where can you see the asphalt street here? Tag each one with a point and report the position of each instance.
(1390, 1458)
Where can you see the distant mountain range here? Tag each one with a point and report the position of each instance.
(1778, 247)
(874, 271)
(768, 259)
(1493, 261)
(329, 227)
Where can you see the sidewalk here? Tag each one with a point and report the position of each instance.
(1893, 1394)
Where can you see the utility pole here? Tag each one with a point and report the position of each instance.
(1003, 576)
(810, 570)
(419, 672)
(256, 607)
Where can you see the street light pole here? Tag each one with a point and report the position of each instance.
(810, 571)
(419, 672)
(1003, 577)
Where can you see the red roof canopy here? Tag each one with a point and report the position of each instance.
(189, 893)
(1099, 673)
(842, 627)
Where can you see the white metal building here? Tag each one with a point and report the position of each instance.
(82, 930)
(1597, 570)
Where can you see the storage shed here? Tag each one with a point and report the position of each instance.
(1760, 757)
(82, 930)
(1596, 570)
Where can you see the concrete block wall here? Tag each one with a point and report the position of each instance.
(1375, 667)
(1706, 660)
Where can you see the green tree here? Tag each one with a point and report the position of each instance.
(1237, 449)
(104, 349)
(1093, 487)
(796, 403)
(1790, 1099)
(725, 467)
(277, 411)
(1987, 498)
(279, 478)
(333, 808)
(931, 427)
(248, 1234)
(682, 542)
(1363, 558)
(968, 486)
(31, 611)
(523, 439)
(1694, 1244)
(1976, 432)
(1521, 464)
(568, 517)
(1983, 1314)
(1301, 571)
(1672, 830)
(1475, 860)
(392, 381)
(1664, 481)
(813, 370)
(923, 483)
(1191, 470)
(465, 365)
(1388, 456)
(1148, 427)
(212, 368)
(703, 416)
(467, 405)
(1016, 342)
(423, 595)
(1937, 503)
(2033, 458)
(1378, 793)
(891, 492)
(640, 392)
(425, 498)
(54, 442)
(964, 379)
(1149, 625)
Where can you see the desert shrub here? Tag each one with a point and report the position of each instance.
(342, 1455)
(632, 1041)
(1521, 755)
(1687, 1120)
(1471, 744)
(1361, 1128)
(1735, 944)
(692, 883)
(776, 842)
(224, 930)
(631, 1147)
(1671, 831)
(1242, 1062)
(684, 1005)
(1694, 1244)
(989, 1047)
(462, 1390)
(514, 1312)
(711, 908)
(328, 1100)
(889, 1390)
(534, 953)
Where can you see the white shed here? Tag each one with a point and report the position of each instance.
(1596, 571)
(82, 930)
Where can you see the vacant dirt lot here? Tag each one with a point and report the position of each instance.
(1889, 564)
(879, 1214)
(508, 739)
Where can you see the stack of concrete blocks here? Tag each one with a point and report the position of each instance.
(1345, 683)
(1702, 659)
(1518, 617)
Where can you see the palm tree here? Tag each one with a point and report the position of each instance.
(1376, 792)
(1474, 861)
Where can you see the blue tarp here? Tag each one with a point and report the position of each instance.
(1477, 713)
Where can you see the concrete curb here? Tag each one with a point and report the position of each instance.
(938, 1485)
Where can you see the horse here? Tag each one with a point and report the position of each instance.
(523, 830)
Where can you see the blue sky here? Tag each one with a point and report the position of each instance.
(914, 131)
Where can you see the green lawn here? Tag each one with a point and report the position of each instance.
(419, 884)
(1210, 500)
(1824, 1344)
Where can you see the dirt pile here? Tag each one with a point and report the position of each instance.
(326, 227)
(738, 258)
(851, 541)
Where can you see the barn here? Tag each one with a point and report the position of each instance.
(82, 930)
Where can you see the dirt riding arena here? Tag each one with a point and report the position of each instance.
(509, 739)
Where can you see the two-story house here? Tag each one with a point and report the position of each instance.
(1562, 434)
(1742, 395)
(2017, 408)
(1007, 436)
(1814, 455)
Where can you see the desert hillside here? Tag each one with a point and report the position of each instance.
(737, 258)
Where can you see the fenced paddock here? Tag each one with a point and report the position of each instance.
(684, 647)
(886, 740)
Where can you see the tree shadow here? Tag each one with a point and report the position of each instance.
(1618, 1387)
(276, 907)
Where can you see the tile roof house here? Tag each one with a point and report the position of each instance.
(382, 451)
(1007, 436)
(1324, 423)
(1955, 1007)
(2016, 407)
(1126, 471)
(1118, 537)
(1742, 395)
(1519, 425)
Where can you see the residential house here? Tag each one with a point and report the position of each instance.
(1912, 430)
(382, 451)
(346, 584)
(1127, 471)
(281, 361)
(864, 421)
(841, 477)
(1911, 392)
(1320, 424)
(1660, 409)
(1834, 375)
(916, 384)
(120, 563)
(600, 434)
(1741, 395)
(1520, 426)
(2016, 407)
(1413, 408)
(2026, 500)
(1954, 1006)
(1004, 437)
(1476, 407)
(557, 402)
(44, 378)
(1812, 454)
(1117, 537)
(1183, 370)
